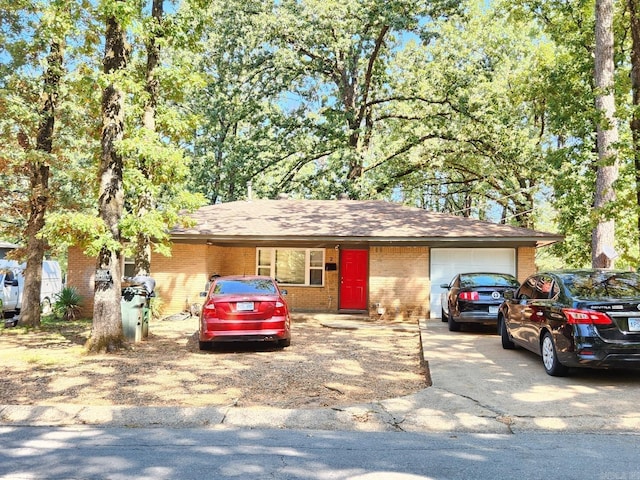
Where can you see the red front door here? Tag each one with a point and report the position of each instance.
(353, 279)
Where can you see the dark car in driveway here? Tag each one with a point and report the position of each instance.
(474, 298)
(242, 309)
(575, 318)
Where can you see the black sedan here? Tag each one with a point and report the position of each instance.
(577, 318)
(475, 298)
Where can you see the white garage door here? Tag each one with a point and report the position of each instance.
(447, 262)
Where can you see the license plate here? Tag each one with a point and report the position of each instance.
(634, 324)
(493, 310)
(244, 306)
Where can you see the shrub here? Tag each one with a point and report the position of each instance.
(67, 304)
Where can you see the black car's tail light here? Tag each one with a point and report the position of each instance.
(469, 296)
(589, 317)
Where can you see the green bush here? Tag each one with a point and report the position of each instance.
(67, 304)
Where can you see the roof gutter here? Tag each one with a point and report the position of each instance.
(330, 241)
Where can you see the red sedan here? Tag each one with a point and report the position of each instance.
(244, 308)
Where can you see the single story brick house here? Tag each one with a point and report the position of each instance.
(372, 257)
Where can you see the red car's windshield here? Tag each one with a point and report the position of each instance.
(254, 285)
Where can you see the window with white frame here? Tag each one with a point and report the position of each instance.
(292, 266)
(128, 267)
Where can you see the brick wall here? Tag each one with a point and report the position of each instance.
(315, 299)
(81, 275)
(526, 262)
(242, 260)
(398, 278)
(181, 277)
(399, 282)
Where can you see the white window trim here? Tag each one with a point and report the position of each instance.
(126, 261)
(307, 266)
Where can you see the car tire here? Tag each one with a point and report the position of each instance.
(205, 346)
(284, 343)
(550, 360)
(507, 343)
(443, 315)
(453, 325)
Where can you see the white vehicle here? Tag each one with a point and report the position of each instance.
(10, 291)
(12, 287)
(51, 284)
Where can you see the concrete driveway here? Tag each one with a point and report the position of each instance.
(472, 365)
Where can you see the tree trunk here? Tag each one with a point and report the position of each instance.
(107, 333)
(142, 257)
(634, 7)
(356, 103)
(603, 235)
(39, 193)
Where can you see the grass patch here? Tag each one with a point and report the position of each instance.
(50, 360)
(53, 334)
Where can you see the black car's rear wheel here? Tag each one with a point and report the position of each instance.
(507, 343)
(453, 325)
(550, 357)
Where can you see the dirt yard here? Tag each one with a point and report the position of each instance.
(323, 367)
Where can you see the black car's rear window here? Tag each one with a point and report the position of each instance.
(260, 286)
(602, 284)
(488, 280)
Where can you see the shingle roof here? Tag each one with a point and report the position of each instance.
(369, 221)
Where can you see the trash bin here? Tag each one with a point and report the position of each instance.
(136, 306)
(133, 304)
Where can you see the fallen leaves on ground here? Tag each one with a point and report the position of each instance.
(323, 367)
